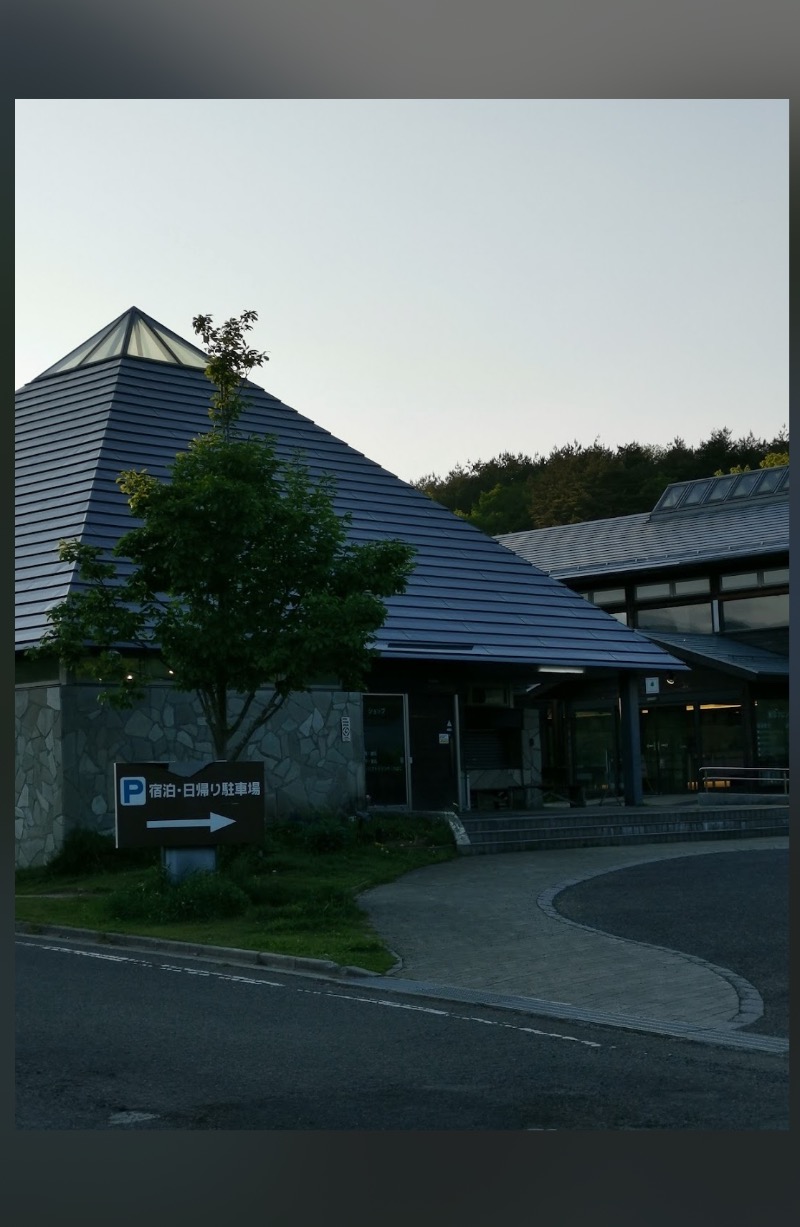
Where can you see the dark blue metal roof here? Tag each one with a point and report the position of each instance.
(727, 531)
(725, 654)
(469, 598)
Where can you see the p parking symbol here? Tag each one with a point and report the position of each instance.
(132, 790)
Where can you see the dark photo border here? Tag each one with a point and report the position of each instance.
(369, 49)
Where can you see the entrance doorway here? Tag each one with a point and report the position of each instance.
(677, 741)
(597, 770)
(385, 720)
(434, 751)
(669, 757)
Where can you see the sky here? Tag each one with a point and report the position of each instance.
(437, 281)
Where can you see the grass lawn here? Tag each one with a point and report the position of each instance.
(295, 894)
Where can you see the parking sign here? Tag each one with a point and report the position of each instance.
(132, 790)
(191, 805)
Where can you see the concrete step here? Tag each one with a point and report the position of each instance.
(542, 820)
(578, 830)
(604, 841)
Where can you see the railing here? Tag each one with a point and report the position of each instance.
(745, 779)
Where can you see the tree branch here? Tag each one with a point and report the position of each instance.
(237, 723)
(258, 722)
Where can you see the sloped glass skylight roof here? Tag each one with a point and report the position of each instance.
(132, 335)
(682, 495)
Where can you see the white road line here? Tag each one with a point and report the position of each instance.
(187, 971)
(554, 1035)
(87, 954)
(489, 1022)
(381, 1001)
(391, 1005)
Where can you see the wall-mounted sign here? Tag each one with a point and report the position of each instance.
(651, 685)
(188, 805)
(345, 728)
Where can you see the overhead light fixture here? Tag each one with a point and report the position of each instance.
(535, 686)
(670, 679)
(560, 669)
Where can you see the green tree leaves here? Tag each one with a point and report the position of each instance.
(575, 483)
(239, 574)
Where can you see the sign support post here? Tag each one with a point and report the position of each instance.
(180, 862)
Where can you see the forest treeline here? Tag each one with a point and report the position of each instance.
(512, 493)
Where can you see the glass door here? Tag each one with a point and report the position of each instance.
(385, 748)
(597, 767)
(669, 753)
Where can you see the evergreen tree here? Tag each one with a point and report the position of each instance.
(512, 493)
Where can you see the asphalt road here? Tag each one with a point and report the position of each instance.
(109, 1040)
(729, 908)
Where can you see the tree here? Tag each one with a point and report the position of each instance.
(501, 509)
(513, 493)
(464, 487)
(238, 576)
(576, 484)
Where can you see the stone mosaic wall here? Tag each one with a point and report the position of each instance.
(39, 808)
(67, 744)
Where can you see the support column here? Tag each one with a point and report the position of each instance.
(180, 862)
(631, 739)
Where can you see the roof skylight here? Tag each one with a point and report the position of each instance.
(682, 495)
(131, 335)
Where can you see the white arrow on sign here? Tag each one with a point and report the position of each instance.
(213, 822)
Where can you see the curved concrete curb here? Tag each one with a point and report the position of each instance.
(775, 1045)
(536, 1007)
(751, 1004)
(261, 958)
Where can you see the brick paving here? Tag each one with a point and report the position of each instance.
(488, 924)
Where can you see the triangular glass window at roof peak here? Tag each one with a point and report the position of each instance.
(132, 335)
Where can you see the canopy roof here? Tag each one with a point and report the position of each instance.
(725, 654)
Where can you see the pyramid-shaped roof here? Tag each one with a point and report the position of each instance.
(131, 335)
(112, 405)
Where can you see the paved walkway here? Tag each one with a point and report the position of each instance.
(488, 924)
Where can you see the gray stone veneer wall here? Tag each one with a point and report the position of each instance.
(39, 807)
(67, 744)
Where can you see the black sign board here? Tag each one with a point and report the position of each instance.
(188, 805)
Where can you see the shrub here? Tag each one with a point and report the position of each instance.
(405, 829)
(207, 896)
(240, 862)
(327, 835)
(268, 890)
(328, 902)
(87, 851)
(158, 900)
(285, 836)
(83, 851)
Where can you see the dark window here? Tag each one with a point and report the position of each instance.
(755, 612)
(690, 619)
